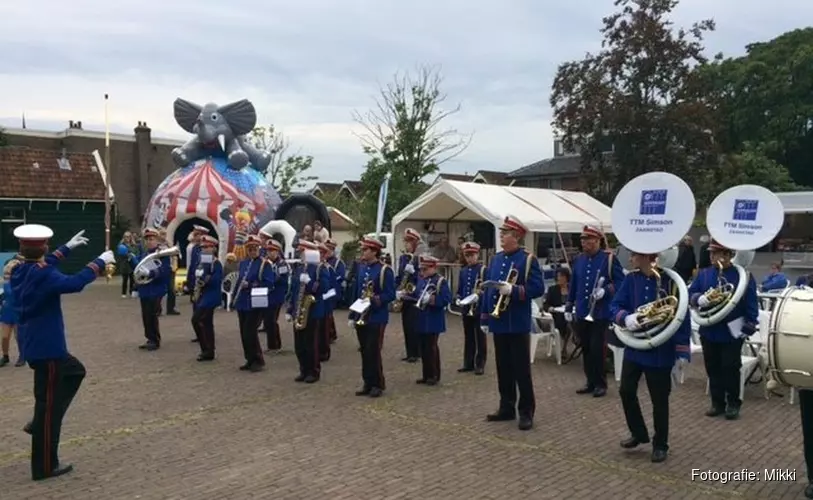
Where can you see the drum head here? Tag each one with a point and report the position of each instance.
(790, 338)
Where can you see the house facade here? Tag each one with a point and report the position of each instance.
(560, 172)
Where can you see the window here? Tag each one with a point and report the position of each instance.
(555, 184)
(64, 164)
(11, 219)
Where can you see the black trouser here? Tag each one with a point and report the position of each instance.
(127, 282)
(593, 339)
(150, 310)
(371, 340)
(409, 320)
(512, 352)
(475, 347)
(171, 293)
(430, 356)
(203, 322)
(324, 340)
(249, 324)
(55, 384)
(306, 345)
(806, 407)
(659, 383)
(271, 324)
(723, 362)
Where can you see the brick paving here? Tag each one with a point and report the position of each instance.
(161, 426)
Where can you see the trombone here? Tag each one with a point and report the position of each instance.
(504, 300)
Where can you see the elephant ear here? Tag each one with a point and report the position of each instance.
(186, 114)
(240, 115)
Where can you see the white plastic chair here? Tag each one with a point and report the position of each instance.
(553, 336)
(618, 359)
(695, 348)
(227, 287)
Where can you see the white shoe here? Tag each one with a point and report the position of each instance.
(124, 296)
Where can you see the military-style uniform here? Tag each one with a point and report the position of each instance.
(151, 294)
(371, 334)
(582, 293)
(340, 271)
(431, 322)
(192, 262)
(276, 298)
(475, 347)
(37, 285)
(211, 275)
(655, 364)
(721, 350)
(406, 269)
(512, 328)
(253, 273)
(327, 319)
(172, 310)
(314, 279)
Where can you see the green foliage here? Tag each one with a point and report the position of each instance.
(349, 251)
(753, 166)
(639, 95)
(3, 138)
(286, 172)
(348, 206)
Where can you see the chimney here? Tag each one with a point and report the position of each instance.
(70, 124)
(79, 125)
(143, 159)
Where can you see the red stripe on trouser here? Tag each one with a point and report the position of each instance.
(50, 388)
(316, 334)
(381, 382)
(259, 318)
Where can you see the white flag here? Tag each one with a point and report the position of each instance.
(382, 204)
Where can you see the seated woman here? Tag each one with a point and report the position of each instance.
(776, 279)
(556, 297)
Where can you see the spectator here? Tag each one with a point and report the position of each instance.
(444, 251)
(556, 297)
(776, 279)
(686, 261)
(705, 257)
(320, 233)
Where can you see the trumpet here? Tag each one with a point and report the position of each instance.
(504, 300)
(593, 300)
(428, 291)
(478, 289)
(660, 311)
(366, 294)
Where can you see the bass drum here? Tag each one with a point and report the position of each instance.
(790, 338)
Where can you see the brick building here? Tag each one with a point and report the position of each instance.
(138, 162)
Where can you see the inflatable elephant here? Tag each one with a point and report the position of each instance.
(219, 130)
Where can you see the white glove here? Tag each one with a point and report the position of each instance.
(198, 273)
(484, 329)
(505, 289)
(598, 293)
(77, 240)
(399, 295)
(107, 256)
(631, 322)
(702, 301)
(288, 318)
(568, 317)
(409, 269)
(351, 323)
(304, 278)
(457, 302)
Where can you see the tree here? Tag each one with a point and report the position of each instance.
(3, 138)
(403, 136)
(636, 105)
(286, 172)
(752, 166)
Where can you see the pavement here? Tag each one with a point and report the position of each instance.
(162, 426)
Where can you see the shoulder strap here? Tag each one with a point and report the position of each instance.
(610, 266)
(482, 272)
(384, 268)
(528, 265)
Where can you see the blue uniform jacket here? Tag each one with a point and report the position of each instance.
(213, 278)
(432, 318)
(37, 286)
(330, 303)
(318, 286)
(403, 260)
(159, 285)
(281, 274)
(776, 281)
(257, 273)
(467, 279)
(383, 280)
(747, 308)
(636, 290)
(803, 281)
(341, 273)
(194, 262)
(529, 285)
(584, 279)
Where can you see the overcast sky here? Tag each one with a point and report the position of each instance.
(308, 64)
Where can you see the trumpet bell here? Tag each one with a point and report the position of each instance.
(589, 318)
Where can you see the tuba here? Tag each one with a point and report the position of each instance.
(151, 262)
(366, 294)
(650, 215)
(741, 218)
(405, 286)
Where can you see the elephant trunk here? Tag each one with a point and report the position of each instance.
(208, 135)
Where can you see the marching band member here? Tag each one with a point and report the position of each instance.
(638, 288)
(173, 268)
(475, 347)
(522, 277)
(379, 276)
(37, 285)
(314, 280)
(806, 409)
(596, 276)
(431, 308)
(150, 294)
(406, 272)
(327, 319)
(193, 251)
(722, 347)
(277, 296)
(206, 297)
(254, 272)
(341, 271)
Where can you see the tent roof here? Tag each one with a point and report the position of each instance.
(800, 202)
(542, 210)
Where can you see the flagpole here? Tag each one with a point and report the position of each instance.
(108, 170)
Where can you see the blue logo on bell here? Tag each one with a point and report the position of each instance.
(745, 210)
(653, 202)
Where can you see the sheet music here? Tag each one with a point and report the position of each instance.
(469, 300)
(259, 298)
(206, 258)
(360, 306)
(735, 327)
(329, 294)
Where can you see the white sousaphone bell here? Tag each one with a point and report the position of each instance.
(141, 273)
(288, 233)
(650, 215)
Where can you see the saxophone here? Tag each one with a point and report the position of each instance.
(405, 286)
(200, 284)
(303, 307)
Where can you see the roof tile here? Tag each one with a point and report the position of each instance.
(35, 173)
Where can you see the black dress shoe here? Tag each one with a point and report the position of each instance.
(412, 360)
(600, 392)
(465, 370)
(633, 442)
(732, 413)
(256, 367)
(144, 345)
(809, 491)
(174, 313)
(29, 428)
(526, 423)
(500, 416)
(311, 379)
(431, 381)
(375, 392)
(364, 391)
(714, 411)
(405, 358)
(206, 357)
(152, 347)
(299, 378)
(586, 390)
(59, 471)
(479, 371)
(245, 367)
(420, 381)
(659, 455)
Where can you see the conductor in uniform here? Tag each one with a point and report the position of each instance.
(506, 313)
(38, 284)
(596, 276)
(656, 365)
(722, 348)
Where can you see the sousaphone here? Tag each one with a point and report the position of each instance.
(650, 215)
(288, 233)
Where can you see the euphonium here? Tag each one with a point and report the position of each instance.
(478, 289)
(659, 311)
(367, 293)
(141, 273)
(504, 300)
(303, 307)
(405, 286)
